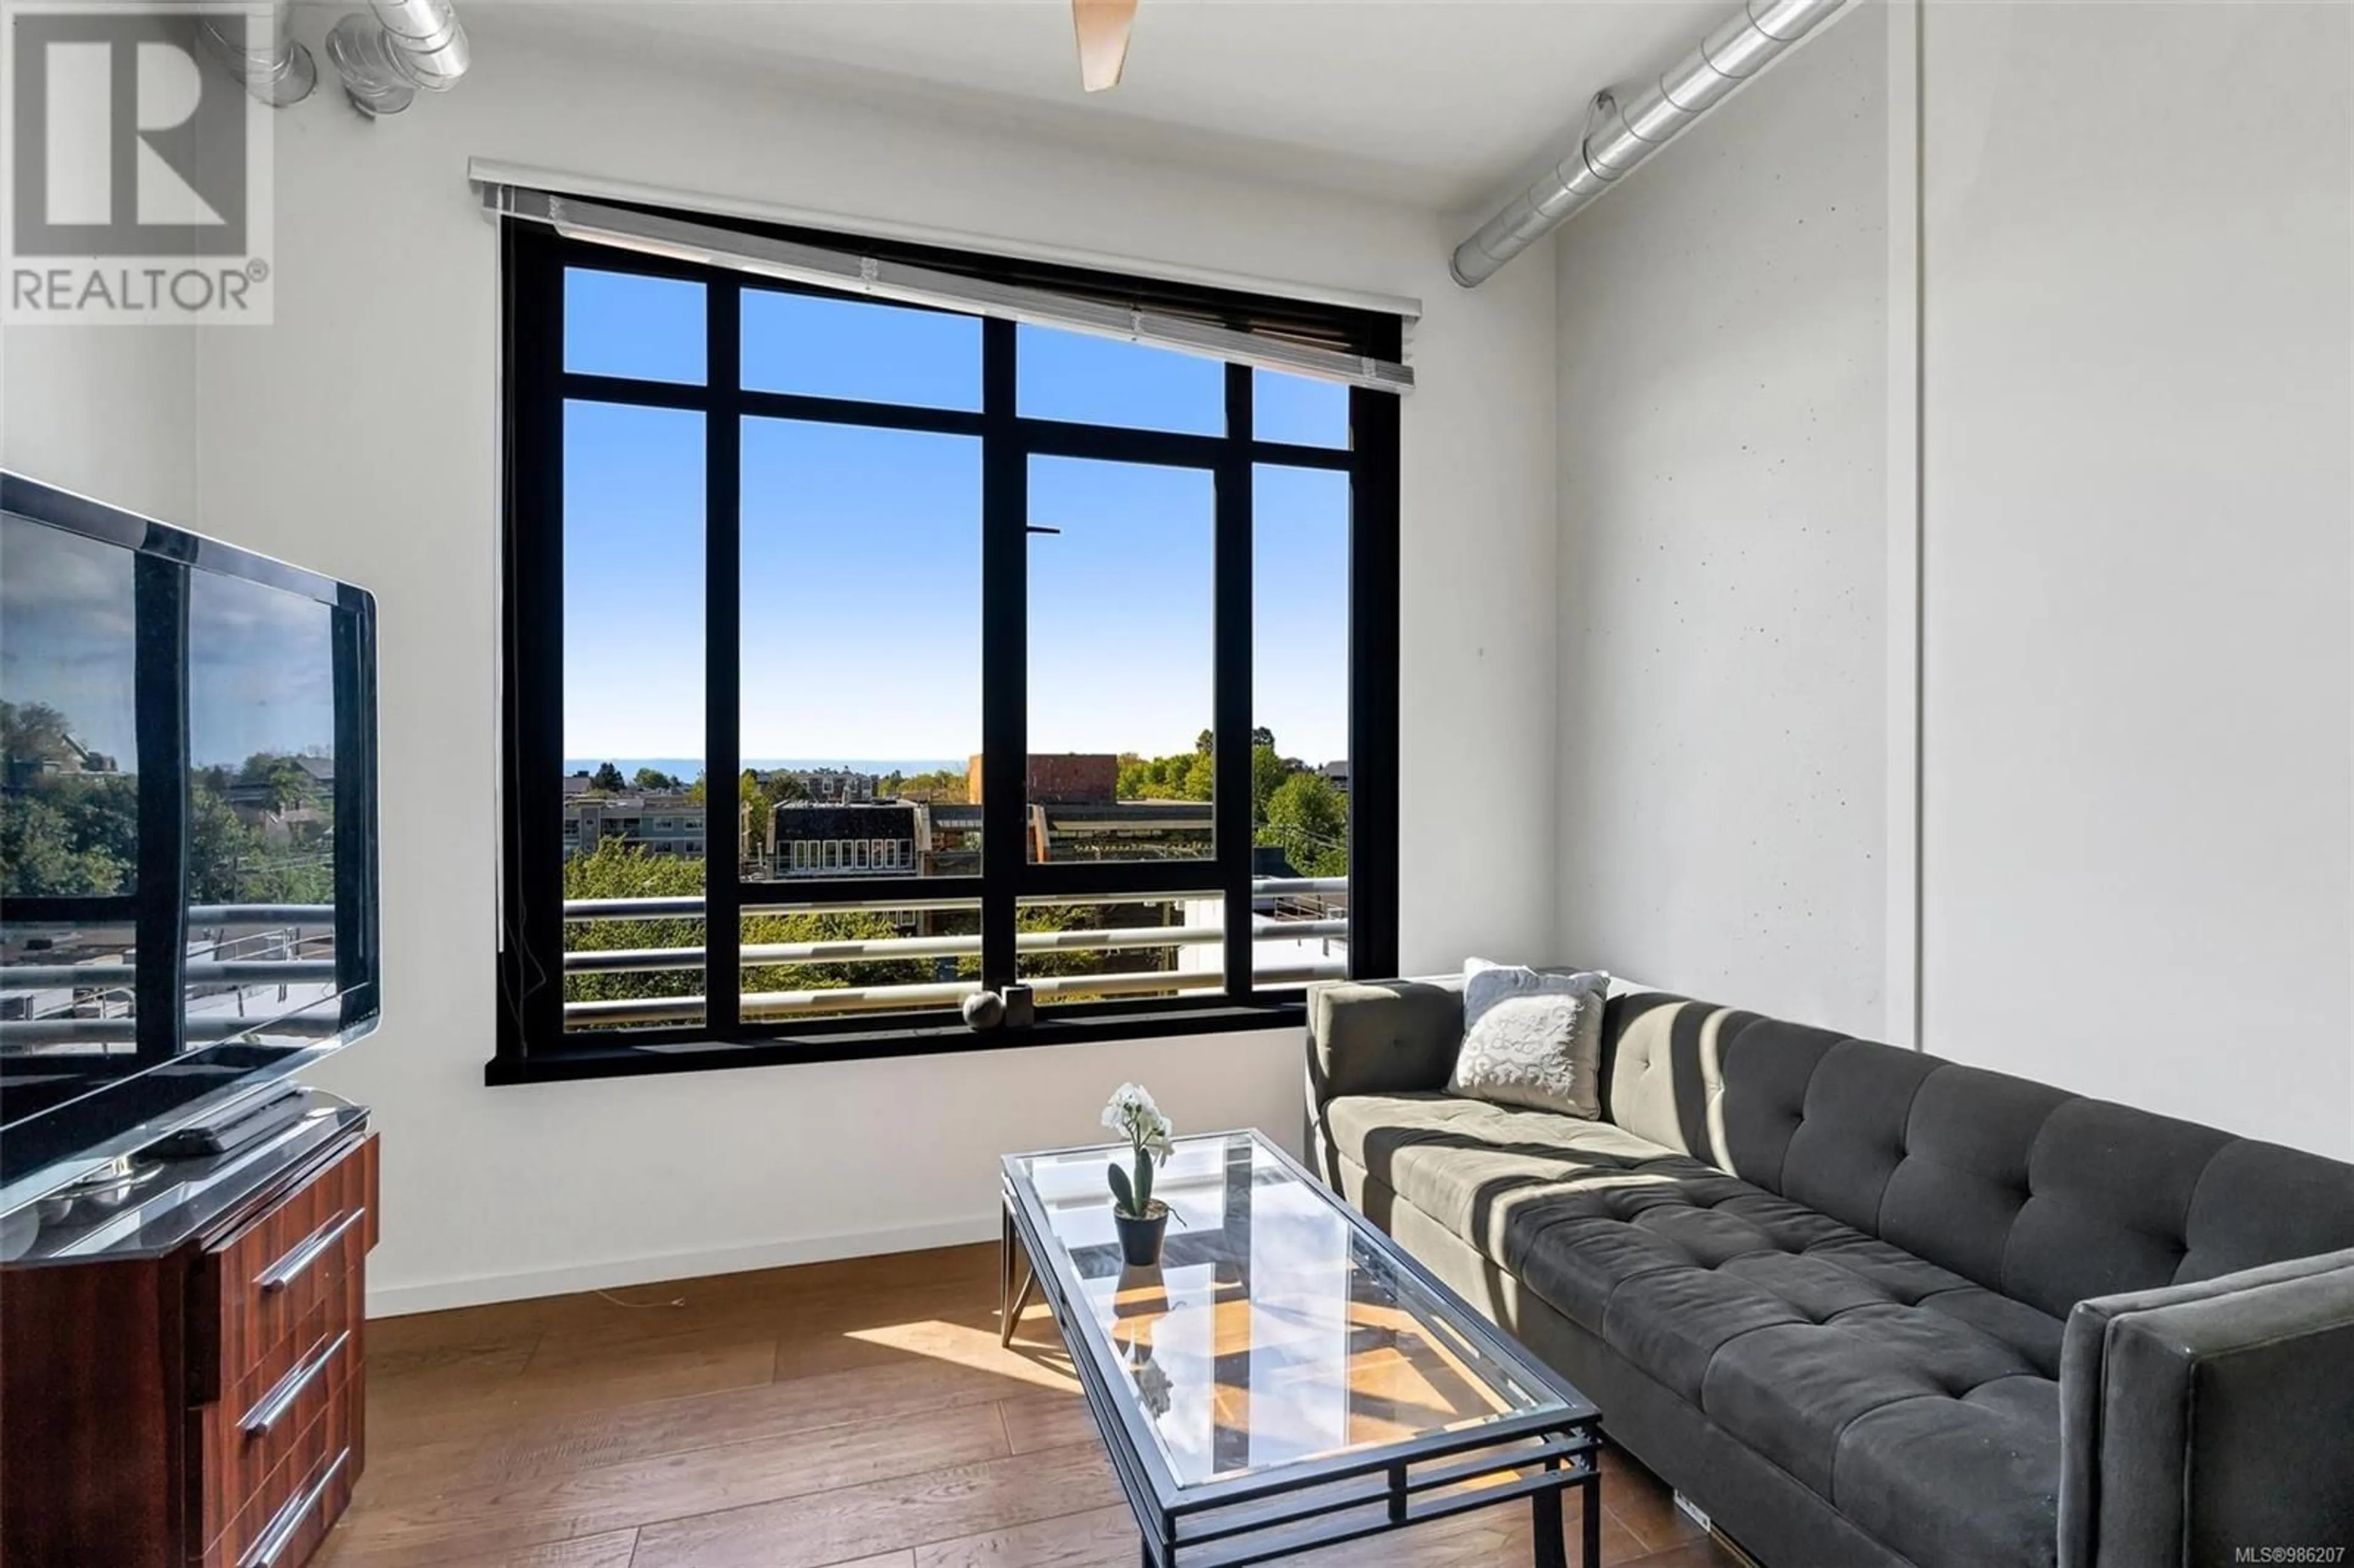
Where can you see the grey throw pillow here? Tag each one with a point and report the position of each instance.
(1530, 1038)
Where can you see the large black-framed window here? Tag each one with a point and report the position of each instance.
(1005, 853)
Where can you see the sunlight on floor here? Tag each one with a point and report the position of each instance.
(970, 1347)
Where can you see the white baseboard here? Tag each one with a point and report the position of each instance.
(393, 1300)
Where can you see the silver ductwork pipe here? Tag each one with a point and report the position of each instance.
(1629, 125)
(272, 66)
(399, 46)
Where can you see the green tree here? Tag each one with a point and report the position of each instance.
(32, 733)
(940, 787)
(1268, 773)
(654, 780)
(608, 779)
(617, 870)
(102, 813)
(288, 784)
(1192, 776)
(1309, 821)
(231, 863)
(42, 855)
(826, 926)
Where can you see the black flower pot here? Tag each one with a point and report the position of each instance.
(1139, 1239)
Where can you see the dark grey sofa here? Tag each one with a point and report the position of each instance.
(1868, 1307)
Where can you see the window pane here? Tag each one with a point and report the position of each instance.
(1299, 409)
(1108, 949)
(803, 963)
(1299, 706)
(823, 348)
(1121, 694)
(861, 651)
(68, 715)
(1103, 381)
(620, 323)
(633, 712)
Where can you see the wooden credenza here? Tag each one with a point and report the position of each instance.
(189, 1393)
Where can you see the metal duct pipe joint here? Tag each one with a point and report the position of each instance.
(272, 66)
(1629, 126)
(399, 46)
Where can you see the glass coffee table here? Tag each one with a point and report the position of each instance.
(1287, 1377)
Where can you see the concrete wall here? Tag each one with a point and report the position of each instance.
(2134, 848)
(2138, 695)
(1725, 426)
(359, 436)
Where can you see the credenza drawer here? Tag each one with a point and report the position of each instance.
(241, 1439)
(261, 1282)
(300, 1500)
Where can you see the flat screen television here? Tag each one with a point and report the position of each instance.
(188, 875)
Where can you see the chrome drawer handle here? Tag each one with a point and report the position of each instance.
(263, 1553)
(290, 1267)
(281, 1399)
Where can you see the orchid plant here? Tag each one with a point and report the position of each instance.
(1134, 1117)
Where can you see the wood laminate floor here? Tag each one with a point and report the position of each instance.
(856, 1413)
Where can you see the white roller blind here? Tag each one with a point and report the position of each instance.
(850, 271)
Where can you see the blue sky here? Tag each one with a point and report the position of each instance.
(261, 661)
(862, 547)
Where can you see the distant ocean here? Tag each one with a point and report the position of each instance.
(686, 768)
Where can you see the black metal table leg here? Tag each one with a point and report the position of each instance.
(1552, 1551)
(1589, 1494)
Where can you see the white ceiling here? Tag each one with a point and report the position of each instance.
(1436, 102)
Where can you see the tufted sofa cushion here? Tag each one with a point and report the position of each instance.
(2032, 1191)
(1872, 1376)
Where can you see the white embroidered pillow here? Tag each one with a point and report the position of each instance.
(1531, 1040)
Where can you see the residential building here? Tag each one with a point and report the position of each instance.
(666, 826)
(805, 839)
(830, 786)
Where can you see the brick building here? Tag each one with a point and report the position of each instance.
(1061, 779)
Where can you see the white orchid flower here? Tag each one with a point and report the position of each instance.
(1132, 1114)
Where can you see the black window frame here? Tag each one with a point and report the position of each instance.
(532, 1046)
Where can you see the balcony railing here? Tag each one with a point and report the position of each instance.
(236, 950)
(1313, 909)
(1308, 909)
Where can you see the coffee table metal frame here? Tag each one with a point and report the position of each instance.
(1260, 1516)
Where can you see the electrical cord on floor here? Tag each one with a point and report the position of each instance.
(609, 1296)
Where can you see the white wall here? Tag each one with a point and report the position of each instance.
(2139, 560)
(359, 436)
(1724, 432)
(2136, 536)
(108, 412)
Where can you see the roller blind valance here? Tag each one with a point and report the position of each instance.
(1331, 344)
